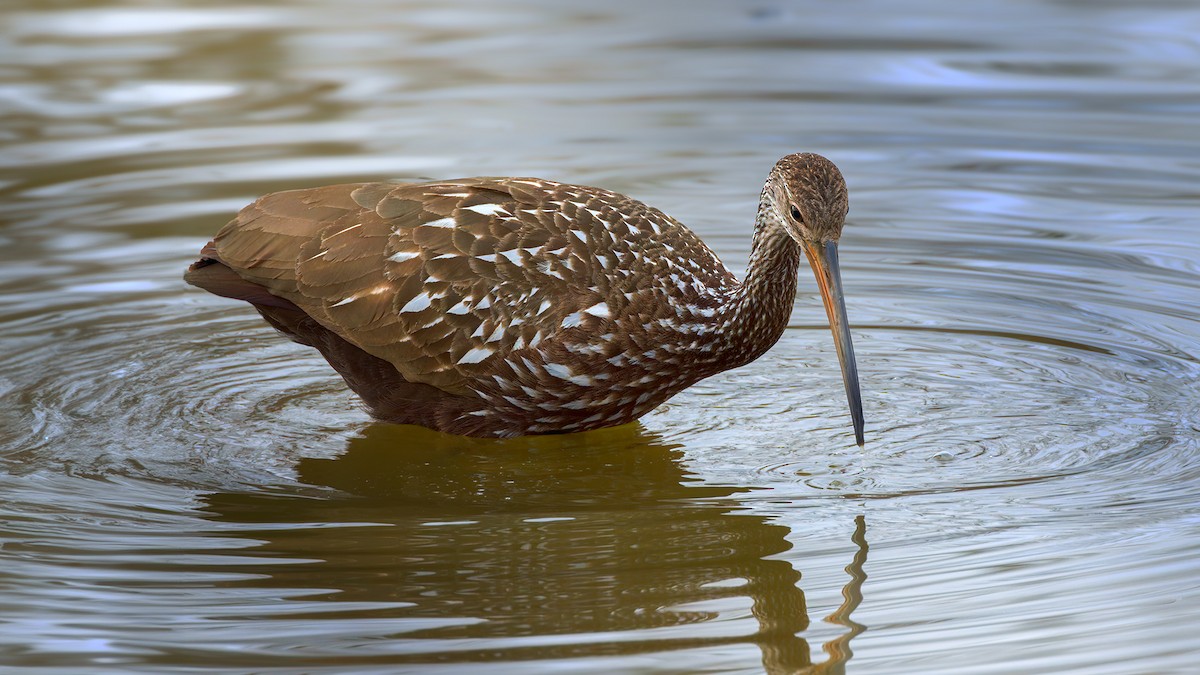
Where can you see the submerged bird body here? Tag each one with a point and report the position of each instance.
(513, 306)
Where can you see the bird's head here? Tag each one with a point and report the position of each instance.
(808, 196)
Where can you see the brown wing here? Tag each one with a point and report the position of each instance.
(444, 279)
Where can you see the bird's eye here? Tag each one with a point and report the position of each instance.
(796, 214)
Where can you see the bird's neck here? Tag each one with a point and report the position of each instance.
(762, 304)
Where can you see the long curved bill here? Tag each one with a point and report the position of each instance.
(824, 261)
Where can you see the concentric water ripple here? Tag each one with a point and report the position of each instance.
(961, 393)
(147, 389)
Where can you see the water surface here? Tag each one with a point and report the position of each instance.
(182, 490)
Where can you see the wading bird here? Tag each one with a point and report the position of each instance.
(510, 306)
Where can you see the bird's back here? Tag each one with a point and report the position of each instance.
(449, 281)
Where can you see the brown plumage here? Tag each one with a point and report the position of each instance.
(512, 306)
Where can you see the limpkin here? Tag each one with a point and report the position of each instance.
(513, 306)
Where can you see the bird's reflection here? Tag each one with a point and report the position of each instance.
(603, 535)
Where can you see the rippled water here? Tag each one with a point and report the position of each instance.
(180, 489)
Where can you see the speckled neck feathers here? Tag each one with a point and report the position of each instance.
(762, 304)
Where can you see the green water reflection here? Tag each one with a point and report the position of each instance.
(537, 548)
